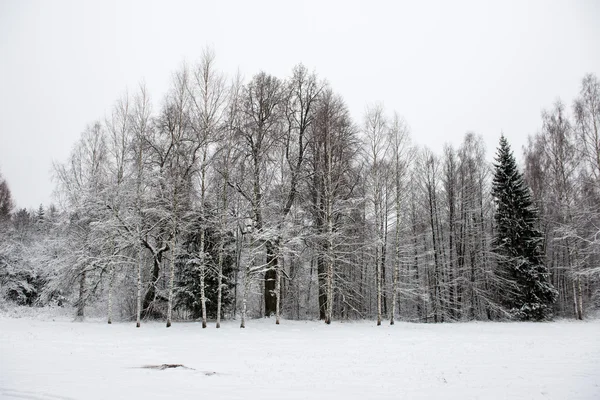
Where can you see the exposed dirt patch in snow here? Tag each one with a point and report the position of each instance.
(165, 366)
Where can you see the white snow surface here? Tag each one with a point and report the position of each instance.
(53, 358)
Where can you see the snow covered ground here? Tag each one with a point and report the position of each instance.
(50, 360)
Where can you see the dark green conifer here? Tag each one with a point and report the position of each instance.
(528, 293)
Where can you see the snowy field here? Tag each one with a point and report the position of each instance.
(58, 359)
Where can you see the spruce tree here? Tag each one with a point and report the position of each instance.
(527, 293)
(39, 216)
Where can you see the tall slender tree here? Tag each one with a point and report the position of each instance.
(518, 242)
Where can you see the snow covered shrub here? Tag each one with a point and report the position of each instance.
(19, 282)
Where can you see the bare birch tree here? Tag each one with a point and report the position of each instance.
(378, 145)
(400, 143)
(209, 96)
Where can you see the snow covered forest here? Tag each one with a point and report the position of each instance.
(238, 199)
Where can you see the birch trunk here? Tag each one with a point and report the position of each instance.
(384, 235)
(431, 188)
(173, 251)
(329, 219)
(329, 313)
(203, 236)
(202, 280)
(223, 218)
(245, 296)
(397, 238)
(575, 303)
(329, 258)
(395, 286)
(243, 322)
(277, 292)
(450, 191)
(378, 278)
(377, 257)
(219, 286)
(139, 290)
(399, 141)
(171, 283)
(141, 115)
(579, 299)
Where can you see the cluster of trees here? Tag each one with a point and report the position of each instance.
(264, 198)
(562, 166)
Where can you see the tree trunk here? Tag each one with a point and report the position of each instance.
(577, 297)
(451, 283)
(383, 256)
(329, 261)
(378, 245)
(238, 261)
(397, 239)
(436, 268)
(148, 307)
(110, 293)
(139, 290)
(329, 313)
(277, 293)
(378, 279)
(322, 283)
(219, 285)
(270, 278)
(395, 283)
(223, 221)
(245, 296)
(202, 293)
(416, 256)
(171, 283)
(82, 294)
(202, 276)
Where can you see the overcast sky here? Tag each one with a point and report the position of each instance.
(448, 67)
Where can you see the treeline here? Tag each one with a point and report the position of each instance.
(264, 198)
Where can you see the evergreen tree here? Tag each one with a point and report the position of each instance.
(40, 218)
(39, 215)
(6, 201)
(188, 292)
(528, 293)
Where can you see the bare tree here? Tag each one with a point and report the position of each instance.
(140, 125)
(430, 166)
(473, 239)
(209, 96)
(119, 142)
(587, 117)
(553, 153)
(80, 183)
(301, 98)
(378, 144)
(450, 181)
(400, 142)
(181, 151)
(333, 150)
(259, 133)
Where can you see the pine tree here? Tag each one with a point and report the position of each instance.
(528, 293)
(40, 217)
(6, 201)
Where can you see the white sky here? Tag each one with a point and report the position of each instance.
(447, 67)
